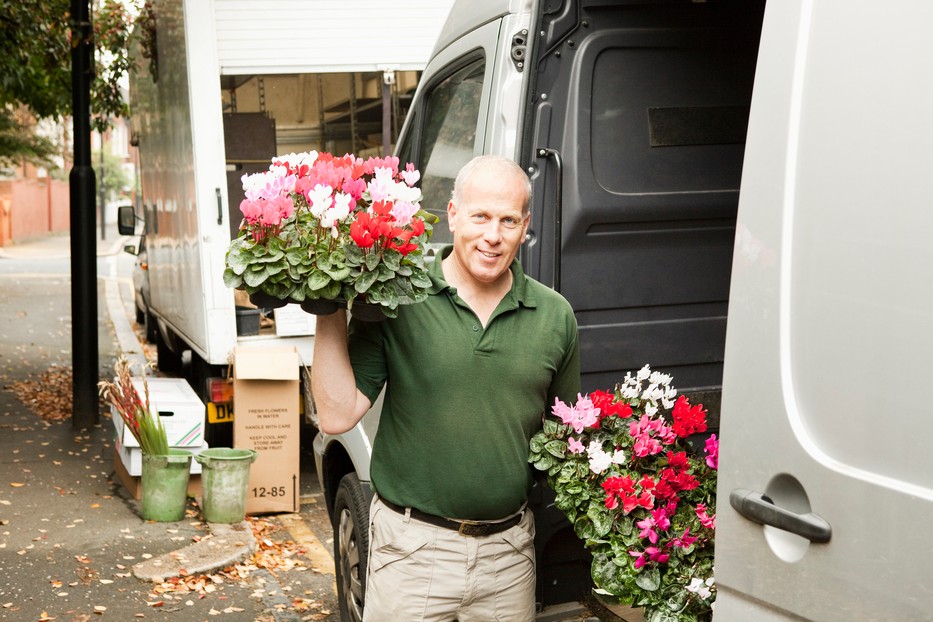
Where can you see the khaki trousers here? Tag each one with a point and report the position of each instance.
(417, 571)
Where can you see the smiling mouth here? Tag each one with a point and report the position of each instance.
(488, 254)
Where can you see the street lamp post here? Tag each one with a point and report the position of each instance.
(84, 348)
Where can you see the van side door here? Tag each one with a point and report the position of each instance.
(825, 489)
(636, 132)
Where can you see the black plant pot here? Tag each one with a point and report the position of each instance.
(267, 301)
(322, 307)
(366, 312)
(362, 311)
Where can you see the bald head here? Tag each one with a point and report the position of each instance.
(495, 167)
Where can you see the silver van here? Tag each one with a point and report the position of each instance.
(656, 218)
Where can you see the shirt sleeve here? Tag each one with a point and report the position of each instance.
(366, 346)
(566, 382)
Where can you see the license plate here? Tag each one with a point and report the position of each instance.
(219, 413)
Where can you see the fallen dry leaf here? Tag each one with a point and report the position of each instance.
(50, 395)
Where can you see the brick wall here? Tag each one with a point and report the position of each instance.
(31, 208)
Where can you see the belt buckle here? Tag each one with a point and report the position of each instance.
(473, 529)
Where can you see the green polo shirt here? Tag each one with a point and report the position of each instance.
(462, 402)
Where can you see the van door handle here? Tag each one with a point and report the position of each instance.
(758, 508)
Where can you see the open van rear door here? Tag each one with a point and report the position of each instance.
(826, 473)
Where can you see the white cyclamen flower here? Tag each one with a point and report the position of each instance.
(320, 199)
(700, 587)
(659, 378)
(599, 459)
(653, 393)
(643, 373)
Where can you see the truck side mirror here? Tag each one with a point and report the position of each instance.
(126, 220)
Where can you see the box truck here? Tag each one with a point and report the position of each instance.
(220, 88)
(736, 192)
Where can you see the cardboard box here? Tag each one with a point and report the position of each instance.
(132, 457)
(133, 483)
(179, 408)
(265, 407)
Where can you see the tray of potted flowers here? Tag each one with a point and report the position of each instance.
(637, 494)
(325, 231)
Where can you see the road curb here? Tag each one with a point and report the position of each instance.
(226, 545)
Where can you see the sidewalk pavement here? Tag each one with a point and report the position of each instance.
(70, 534)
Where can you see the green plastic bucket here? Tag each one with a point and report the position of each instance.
(224, 480)
(165, 485)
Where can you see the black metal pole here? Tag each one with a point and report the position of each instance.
(387, 113)
(84, 348)
(103, 196)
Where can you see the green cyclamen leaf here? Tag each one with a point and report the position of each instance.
(537, 442)
(550, 427)
(601, 517)
(237, 261)
(557, 448)
(255, 278)
(364, 282)
(317, 280)
(338, 274)
(232, 279)
(649, 579)
(371, 261)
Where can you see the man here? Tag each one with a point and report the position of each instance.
(470, 373)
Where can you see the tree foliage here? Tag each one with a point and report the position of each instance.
(35, 65)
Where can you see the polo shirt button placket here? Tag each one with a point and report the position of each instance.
(475, 327)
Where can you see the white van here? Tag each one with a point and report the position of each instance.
(825, 429)
(631, 118)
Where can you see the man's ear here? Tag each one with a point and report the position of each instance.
(451, 215)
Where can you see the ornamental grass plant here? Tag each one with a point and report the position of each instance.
(637, 494)
(139, 418)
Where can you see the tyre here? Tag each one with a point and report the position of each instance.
(150, 328)
(351, 546)
(166, 360)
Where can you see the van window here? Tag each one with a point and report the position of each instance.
(448, 138)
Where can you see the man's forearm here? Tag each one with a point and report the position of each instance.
(340, 405)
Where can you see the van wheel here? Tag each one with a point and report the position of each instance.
(150, 328)
(351, 546)
(167, 361)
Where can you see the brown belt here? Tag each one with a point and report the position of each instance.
(466, 528)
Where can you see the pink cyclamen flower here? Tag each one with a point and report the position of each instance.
(410, 175)
(647, 530)
(712, 451)
(705, 519)
(580, 416)
(575, 446)
(402, 212)
(685, 540)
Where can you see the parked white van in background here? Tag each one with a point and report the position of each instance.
(785, 276)
(825, 430)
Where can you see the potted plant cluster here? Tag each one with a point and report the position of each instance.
(639, 497)
(324, 231)
(165, 470)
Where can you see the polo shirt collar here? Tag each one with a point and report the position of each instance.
(520, 291)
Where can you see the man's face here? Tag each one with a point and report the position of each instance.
(488, 225)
